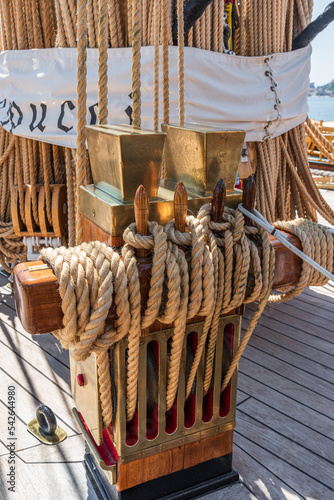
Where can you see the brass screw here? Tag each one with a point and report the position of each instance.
(93, 212)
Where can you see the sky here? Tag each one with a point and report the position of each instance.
(322, 59)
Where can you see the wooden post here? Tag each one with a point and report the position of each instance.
(142, 209)
(248, 201)
(180, 207)
(248, 197)
(218, 201)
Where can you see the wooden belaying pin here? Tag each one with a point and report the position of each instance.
(248, 197)
(141, 208)
(180, 207)
(248, 201)
(218, 201)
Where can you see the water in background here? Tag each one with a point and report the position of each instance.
(321, 108)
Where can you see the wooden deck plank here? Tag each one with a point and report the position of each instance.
(26, 405)
(48, 366)
(324, 294)
(47, 342)
(41, 387)
(56, 481)
(299, 393)
(313, 305)
(70, 450)
(241, 397)
(294, 345)
(312, 328)
(303, 315)
(295, 409)
(288, 330)
(318, 474)
(291, 429)
(281, 477)
(6, 293)
(260, 478)
(233, 492)
(321, 389)
(293, 358)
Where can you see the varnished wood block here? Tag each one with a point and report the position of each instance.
(247, 168)
(176, 459)
(92, 232)
(37, 299)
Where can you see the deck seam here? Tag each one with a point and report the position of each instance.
(287, 437)
(40, 402)
(286, 414)
(286, 378)
(284, 460)
(266, 468)
(257, 335)
(286, 362)
(279, 392)
(34, 342)
(39, 371)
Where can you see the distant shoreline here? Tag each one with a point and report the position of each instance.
(315, 94)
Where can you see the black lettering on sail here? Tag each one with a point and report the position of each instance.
(61, 126)
(128, 110)
(16, 114)
(93, 115)
(3, 104)
(39, 125)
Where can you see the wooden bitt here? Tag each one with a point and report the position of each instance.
(248, 197)
(218, 201)
(248, 201)
(180, 207)
(142, 209)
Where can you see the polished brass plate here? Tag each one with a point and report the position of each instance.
(124, 157)
(199, 155)
(86, 397)
(182, 435)
(95, 451)
(59, 435)
(113, 216)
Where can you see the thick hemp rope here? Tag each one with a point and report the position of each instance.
(215, 281)
(88, 276)
(237, 255)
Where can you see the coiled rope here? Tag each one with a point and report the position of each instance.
(211, 282)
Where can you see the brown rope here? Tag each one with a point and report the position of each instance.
(81, 114)
(165, 59)
(156, 63)
(181, 60)
(136, 56)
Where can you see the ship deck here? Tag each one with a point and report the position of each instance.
(284, 438)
